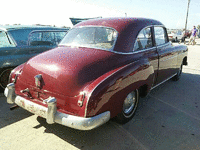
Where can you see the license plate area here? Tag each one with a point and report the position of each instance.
(31, 107)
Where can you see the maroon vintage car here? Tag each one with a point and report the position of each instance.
(98, 72)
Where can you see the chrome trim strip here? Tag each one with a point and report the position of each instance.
(165, 44)
(163, 82)
(163, 60)
(148, 49)
(150, 27)
(135, 52)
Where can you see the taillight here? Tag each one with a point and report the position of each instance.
(12, 77)
(14, 74)
(81, 99)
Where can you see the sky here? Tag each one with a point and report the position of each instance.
(172, 13)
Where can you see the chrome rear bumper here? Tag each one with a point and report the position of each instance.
(52, 115)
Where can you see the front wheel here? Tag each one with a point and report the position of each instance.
(129, 107)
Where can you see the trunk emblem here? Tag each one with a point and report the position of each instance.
(38, 79)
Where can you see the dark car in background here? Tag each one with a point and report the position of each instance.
(19, 43)
(188, 34)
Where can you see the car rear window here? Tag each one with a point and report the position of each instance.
(91, 37)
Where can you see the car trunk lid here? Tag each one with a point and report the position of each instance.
(67, 70)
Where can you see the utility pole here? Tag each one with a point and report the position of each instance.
(187, 16)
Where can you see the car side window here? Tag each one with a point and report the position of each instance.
(144, 40)
(5, 41)
(160, 36)
(46, 37)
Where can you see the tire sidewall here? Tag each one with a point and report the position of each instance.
(131, 114)
(122, 118)
(2, 73)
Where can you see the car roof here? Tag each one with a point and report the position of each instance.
(120, 23)
(34, 27)
(127, 28)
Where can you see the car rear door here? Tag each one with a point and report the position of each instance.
(167, 55)
(146, 49)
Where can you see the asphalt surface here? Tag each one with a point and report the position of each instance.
(167, 119)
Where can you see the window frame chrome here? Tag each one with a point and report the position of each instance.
(166, 35)
(151, 38)
(132, 52)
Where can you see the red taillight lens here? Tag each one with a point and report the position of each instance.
(12, 77)
(14, 73)
(81, 99)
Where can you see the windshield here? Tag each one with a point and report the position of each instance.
(91, 37)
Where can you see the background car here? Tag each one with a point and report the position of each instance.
(188, 34)
(19, 43)
(175, 36)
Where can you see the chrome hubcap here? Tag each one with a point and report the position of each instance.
(129, 103)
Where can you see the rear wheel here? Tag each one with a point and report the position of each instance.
(129, 107)
(4, 76)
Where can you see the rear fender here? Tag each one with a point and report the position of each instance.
(109, 93)
(182, 54)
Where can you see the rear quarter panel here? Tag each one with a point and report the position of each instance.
(110, 92)
(182, 54)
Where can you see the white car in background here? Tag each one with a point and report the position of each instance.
(175, 36)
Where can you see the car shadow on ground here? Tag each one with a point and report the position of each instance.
(8, 116)
(168, 118)
(108, 136)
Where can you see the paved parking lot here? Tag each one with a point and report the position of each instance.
(168, 118)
